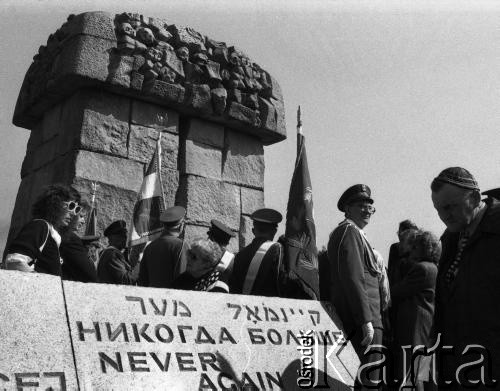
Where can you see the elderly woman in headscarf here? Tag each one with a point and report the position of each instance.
(77, 265)
(202, 271)
(36, 246)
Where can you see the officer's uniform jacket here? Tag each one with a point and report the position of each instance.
(267, 278)
(354, 289)
(163, 260)
(114, 268)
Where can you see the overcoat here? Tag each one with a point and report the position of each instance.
(77, 266)
(414, 296)
(468, 309)
(114, 268)
(161, 261)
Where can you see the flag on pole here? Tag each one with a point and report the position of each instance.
(91, 220)
(301, 255)
(146, 225)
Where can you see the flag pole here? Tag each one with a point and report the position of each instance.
(299, 130)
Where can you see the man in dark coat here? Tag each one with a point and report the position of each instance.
(165, 258)
(257, 267)
(114, 267)
(355, 276)
(397, 253)
(467, 290)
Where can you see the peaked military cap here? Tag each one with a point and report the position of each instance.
(118, 227)
(173, 215)
(266, 215)
(354, 193)
(220, 231)
(458, 176)
(495, 193)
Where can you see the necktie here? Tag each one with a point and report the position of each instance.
(453, 269)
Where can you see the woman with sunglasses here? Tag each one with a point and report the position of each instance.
(36, 246)
(77, 265)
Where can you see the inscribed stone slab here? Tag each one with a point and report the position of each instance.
(130, 338)
(35, 341)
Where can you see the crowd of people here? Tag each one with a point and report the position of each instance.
(433, 291)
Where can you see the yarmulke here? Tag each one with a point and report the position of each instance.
(458, 176)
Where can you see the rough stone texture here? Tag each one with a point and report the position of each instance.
(206, 199)
(205, 132)
(34, 333)
(273, 322)
(245, 235)
(122, 173)
(202, 160)
(105, 124)
(243, 160)
(170, 181)
(51, 123)
(251, 200)
(192, 232)
(112, 203)
(142, 144)
(154, 116)
(22, 208)
(173, 66)
(46, 152)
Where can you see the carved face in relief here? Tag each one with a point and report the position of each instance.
(166, 74)
(200, 58)
(153, 55)
(126, 29)
(145, 35)
(183, 53)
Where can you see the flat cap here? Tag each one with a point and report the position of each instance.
(118, 227)
(494, 193)
(220, 231)
(173, 215)
(457, 176)
(266, 215)
(354, 193)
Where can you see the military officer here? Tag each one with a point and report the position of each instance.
(166, 257)
(257, 267)
(222, 234)
(355, 277)
(113, 266)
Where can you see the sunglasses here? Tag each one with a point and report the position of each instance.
(72, 206)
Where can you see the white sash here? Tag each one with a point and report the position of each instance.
(254, 266)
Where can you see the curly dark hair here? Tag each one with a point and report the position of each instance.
(430, 245)
(48, 204)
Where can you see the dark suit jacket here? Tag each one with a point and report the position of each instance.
(113, 268)
(467, 310)
(354, 292)
(414, 296)
(76, 263)
(267, 280)
(161, 260)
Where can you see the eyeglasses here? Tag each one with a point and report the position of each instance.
(367, 207)
(72, 206)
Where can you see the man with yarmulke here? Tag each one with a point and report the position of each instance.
(165, 258)
(355, 279)
(468, 284)
(113, 266)
(257, 267)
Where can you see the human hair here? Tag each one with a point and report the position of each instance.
(265, 229)
(207, 250)
(407, 224)
(430, 245)
(48, 204)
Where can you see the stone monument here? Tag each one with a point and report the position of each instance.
(100, 90)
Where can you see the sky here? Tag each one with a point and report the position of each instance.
(391, 92)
